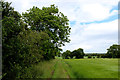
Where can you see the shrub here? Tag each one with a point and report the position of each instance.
(89, 56)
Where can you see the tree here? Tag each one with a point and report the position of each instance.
(113, 51)
(89, 56)
(37, 46)
(71, 55)
(78, 53)
(66, 54)
(12, 25)
(51, 21)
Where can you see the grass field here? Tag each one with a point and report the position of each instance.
(92, 68)
(77, 68)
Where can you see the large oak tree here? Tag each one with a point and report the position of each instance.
(51, 21)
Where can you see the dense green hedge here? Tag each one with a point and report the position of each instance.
(31, 37)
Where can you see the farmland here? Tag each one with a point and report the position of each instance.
(31, 41)
(78, 68)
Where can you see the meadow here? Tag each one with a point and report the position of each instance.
(92, 68)
(76, 68)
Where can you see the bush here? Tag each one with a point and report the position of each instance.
(93, 56)
(89, 56)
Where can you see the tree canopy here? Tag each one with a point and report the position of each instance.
(113, 51)
(66, 54)
(51, 21)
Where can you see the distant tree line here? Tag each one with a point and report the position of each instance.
(34, 36)
(95, 55)
(79, 53)
(112, 52)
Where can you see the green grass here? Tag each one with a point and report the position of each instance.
(42, 70)
(0, 76)
(92, 68)
(75, 68)
(59, 71)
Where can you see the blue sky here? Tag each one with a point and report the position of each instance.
(94, 23)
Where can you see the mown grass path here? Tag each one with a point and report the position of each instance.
(59, 71)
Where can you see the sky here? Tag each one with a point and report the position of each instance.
(94, 23)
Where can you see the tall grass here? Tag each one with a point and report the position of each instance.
(42, 70)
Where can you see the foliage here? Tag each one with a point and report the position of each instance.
(36, 44)
(66, 54)
(94, 55)
(12, 25)
(71, 55)
(89, 56)
(51, 21)
(78, 53)
(23, 46)
(113, 51)
(38, 71)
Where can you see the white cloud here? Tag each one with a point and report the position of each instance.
(78, 10)
(102, 28)
(86, 11)
(93, 37)
(96, 11)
